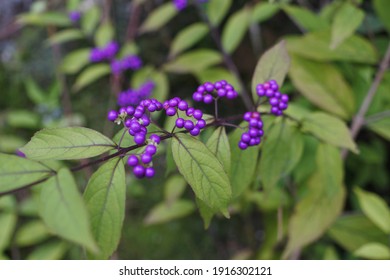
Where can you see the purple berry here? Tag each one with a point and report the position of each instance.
(190, 111)
(189, 125)
(208, 98)
(247, 116)
(180, 122)
(135, 126)
(151, 150)
(209, 86)
(139, 138)
(139, 171)
(155, 138)
(221, 92)
(132, 160)
(198, 114)
(146, 158)
(242, 145)
(273, 101)
(197, 96)
(245, 137)
(149, 172)
(201, 123)
(195, 131)
(182, 105)
(112, 115)
(284, 98)
(171, 111)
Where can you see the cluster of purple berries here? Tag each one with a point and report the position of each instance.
(252, 136)
(105, 53)
(74, 16)
(133, 97)
(278, 101)
(181, 4)
(132, 62)
(142, 163)
(208, 91)
(171, 106)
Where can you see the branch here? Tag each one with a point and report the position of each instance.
(358, 120)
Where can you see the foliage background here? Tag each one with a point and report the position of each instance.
(336, 49)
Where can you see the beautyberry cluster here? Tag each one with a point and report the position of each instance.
(142, 163)
(132, 62)
(252, 136)
(133, 97)
(105, 53)
(208, 91)
(173, 105)
(278, 101)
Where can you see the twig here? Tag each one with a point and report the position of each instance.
(358, 120)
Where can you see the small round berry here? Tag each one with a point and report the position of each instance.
(182, 105)
(245, 137)
(138, 113)
(201, 89)
(173, 102)
(139, 171)
(122, 111)
(247, 116)
(221, 92)
(260, 92)
(217, 85)
(171, 111)
(139, 138)
(189, 125)
(277, 94)
(130, 110)
(197, 96)
(284, 98)
(231, 94)
(253, 132)
(253, 123)
(190, 111)
(274, 110)
(195, 131)
(128, 122)
(135, 126)
(152, 107)
(266, 85)
(208, 98)
(242, 145)
(273, 101)
(269, 93)
(229, 87)
(131, 132)
(155, 138)
(259, 124)
(132, 160)
(151, 150)
(145, 120)
(252, 142)
(112, 115)
(146, 158)
(180, 122)
(209, 86)
(283, 105)
(201, 123)
(149, 172)
(198, 114)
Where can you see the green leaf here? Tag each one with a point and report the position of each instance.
(324, 85)
(34, 92)
(353, 231)
(31, 233)
(305, 18)
(75, 60)
(158, 18)
(216, 74)
(329, 129)
(205, 212)
(193, 61)
(67, 143)
(282, 150)
(375, 208)
(45, 19)
(104, 34)
(10, 143)
(217, 10)
(373, 251)
(188, 37)
(381, 127)
(347, 19)
(243, 164)
(272, 65)
(315, 45)
(163, 212)
(381, 8)
(90, 19)
(90, 75)
(54, 250)
(63, 210)
(174, 187)
(322, 202)
(263, 11)
(7, 226)
(16, 172)
(65, 36)
(105, 197)
(202, 170)
(72, 5)
(218, 143)
(235, 29)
